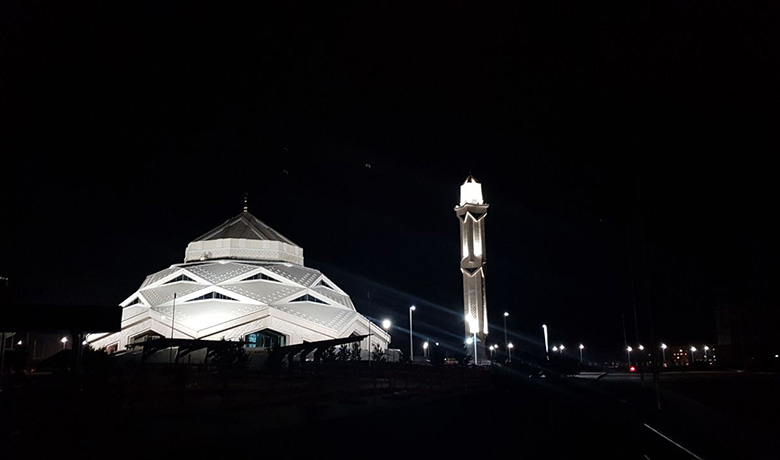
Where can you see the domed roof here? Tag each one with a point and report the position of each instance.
(244, 237)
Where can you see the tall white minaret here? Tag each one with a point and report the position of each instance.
(471, 212)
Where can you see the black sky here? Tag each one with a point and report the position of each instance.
(130, 129)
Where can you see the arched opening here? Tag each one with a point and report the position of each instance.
(265, 339)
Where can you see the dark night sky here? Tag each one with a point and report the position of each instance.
(128, 130)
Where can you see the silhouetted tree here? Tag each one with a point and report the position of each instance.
(355, 355)
(344, 354)
(377, 354)
(329, 354)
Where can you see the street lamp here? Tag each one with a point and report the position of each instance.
(582, 347)
(64, 340)
(491, 349)
(663, 352)
(411, 346)
(706, 348)
(561, 348)
(506, 313)
(555, 349)
(509, 347)
(628, 350)
(693, 356)
(386, 323)
(546, 348)
(425, 349)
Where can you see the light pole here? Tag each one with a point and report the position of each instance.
(506, 313)
(411, 342)
(663, 352)
(64, 340)
(582, 347)
(546, 346)
(561, 348)
(425, 349)
(386, 323)
(628, 351)
(706, 348)
(693, 355)
(491, 350)
(509, 347)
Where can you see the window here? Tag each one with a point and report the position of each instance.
(180, 278)
(265, 339)
(213, 295)
(260, 276)
(145, 337)
(308, 298)
(323, 283)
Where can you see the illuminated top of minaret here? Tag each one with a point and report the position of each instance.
(471, 192)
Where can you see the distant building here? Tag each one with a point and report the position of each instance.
(749, 335)
(242, 281)
(685, 355)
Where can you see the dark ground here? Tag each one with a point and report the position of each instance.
(392, 412)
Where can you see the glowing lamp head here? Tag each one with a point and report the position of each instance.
(582, 347)
(506, 313)
(64, 339)
(386, 323)
(632, 369)
(706, 348)
(412, 308)
(469, 340)
(663, 345)
(510, 345)
(693, 349)
(629, 349)
(425, 345)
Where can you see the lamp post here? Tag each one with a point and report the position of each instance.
(506, 313)
(693, 355)
(491, 350)
(663, 352)
(706, 348)
(64, 340)
(425, 349)
(546, 346)
(411, 342)
(386, 323)
(582, 347)
(628, 351)
(509, 347)
(561, 348)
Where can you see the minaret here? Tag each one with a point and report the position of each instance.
(471, 213)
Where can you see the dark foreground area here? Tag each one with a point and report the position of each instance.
(389, 411)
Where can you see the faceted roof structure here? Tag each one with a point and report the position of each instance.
(245, 226)
(237, 279)
(244, 237)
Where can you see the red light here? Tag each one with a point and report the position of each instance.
(632, 369)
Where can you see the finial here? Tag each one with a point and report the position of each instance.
(246, 200)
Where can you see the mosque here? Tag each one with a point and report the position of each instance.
(242, 281)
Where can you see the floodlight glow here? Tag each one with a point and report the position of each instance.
(641, 347)
(413, 308)
(473, 326)
(469, 340)
(510, 345)
(555, 349)
(386, 323)
(425, 345)
(64, 339)
(706, 348)
(582, 347)
(629, 349)
(506, 313)
(663, 345)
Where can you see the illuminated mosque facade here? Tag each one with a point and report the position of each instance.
(242, 281)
